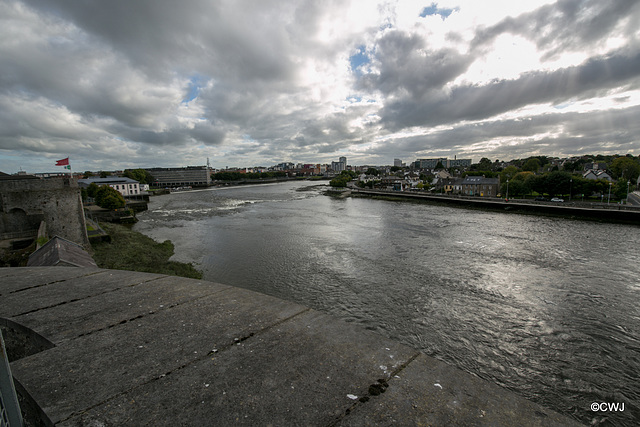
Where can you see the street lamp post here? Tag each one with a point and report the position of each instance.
(609, 198)
(570, 187)
(628, 183)
(507, 190)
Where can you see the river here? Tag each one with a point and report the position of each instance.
(546, 307)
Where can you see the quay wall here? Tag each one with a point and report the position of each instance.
(614, 213)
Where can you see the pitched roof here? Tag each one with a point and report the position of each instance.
(107, 180)
(480, 180)
(59, 251)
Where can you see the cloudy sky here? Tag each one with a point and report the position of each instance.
(143, 83)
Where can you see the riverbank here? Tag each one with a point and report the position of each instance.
(597, 212)
(133, 251)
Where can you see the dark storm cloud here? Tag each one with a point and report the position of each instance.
(470, 102)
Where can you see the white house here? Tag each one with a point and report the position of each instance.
(126, 186)
(596, 174)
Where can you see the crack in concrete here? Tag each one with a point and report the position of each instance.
(375, 389)
(151, 312)
(236, 341)
(51, 283)
(85, 297)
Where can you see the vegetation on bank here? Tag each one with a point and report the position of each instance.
(130, 250)
(341, 180)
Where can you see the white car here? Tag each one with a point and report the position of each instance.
(557, 199)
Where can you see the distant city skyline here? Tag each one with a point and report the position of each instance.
(160, 84)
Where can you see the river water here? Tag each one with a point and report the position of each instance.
(548, 308)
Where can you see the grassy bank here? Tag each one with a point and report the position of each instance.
(130, 250)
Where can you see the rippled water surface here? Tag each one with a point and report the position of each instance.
(546, 307)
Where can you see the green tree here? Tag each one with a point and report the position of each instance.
(92, 189)
(620, 189)
(395, 168)
(109, 198)
(516, 188)
(484, 165)
(339, 182)
(532, 165)
(140, 175)
(439, 166)
(350, 174)
(372, 171)
(508, 173)
(557, 183)
(625, 168)
(578, 165)
(103, 174)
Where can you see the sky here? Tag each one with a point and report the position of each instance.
(159, 83)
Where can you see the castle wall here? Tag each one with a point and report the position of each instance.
(25, 202)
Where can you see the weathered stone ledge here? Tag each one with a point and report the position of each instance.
(134, 349)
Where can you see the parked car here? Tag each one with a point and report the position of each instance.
(540, 199)
(557, 199)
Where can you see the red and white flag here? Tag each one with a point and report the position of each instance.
(63, 162)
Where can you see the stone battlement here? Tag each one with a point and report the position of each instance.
(128, 348)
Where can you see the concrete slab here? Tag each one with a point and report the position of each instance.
(81, 373)
(430, 392)
(18, 279)
(62, 291)
(93, 313)
(144, 349)
(300, 372)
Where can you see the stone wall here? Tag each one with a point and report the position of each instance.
(26, 202)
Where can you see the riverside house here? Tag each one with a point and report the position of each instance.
(480, 186)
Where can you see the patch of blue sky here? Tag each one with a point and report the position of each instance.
(563, 105)
(196, 83)
(358, 59)
(435, 10)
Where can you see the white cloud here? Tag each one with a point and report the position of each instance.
(257, 83)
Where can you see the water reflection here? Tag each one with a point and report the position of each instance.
(545, 307)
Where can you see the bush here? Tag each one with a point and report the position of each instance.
(109, 198)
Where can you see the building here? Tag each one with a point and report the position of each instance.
(195, 176)
(480, 186)
(340, 165)
(597, 174)
(26, 202)
(459, 163)
(446, 163)
(397, 163)
(430, 163)
(125, 186)
(62, 252)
